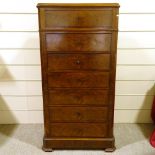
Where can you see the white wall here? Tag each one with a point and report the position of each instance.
(20, 77)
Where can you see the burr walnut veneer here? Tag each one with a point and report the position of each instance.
(78, 45)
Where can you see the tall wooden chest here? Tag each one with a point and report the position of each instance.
(78, 44)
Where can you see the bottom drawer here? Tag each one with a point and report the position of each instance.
(78, 130)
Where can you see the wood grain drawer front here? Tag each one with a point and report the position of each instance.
(78, 114)
(78, 79)
(78, 130)
(78, 97)
(68, 42)
(77, 18)
(78, 61)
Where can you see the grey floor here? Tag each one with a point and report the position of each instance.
(131, 139)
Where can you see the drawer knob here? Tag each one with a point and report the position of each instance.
(78, 62)
(78, 114)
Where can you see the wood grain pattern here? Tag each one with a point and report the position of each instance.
(69, 18)
(78, 130)
(78, 62)
(78, 97)
(78, 114)
(78, 143)
(78, 42)
(78, 79)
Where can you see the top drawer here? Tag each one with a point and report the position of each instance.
(77, 18)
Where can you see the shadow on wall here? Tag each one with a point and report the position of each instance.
(145, 109)
(6, 115)
(6, 131)
(9, 84)
(4, 72)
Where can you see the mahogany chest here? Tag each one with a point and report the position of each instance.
(78, 44)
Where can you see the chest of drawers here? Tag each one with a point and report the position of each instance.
(78, 44)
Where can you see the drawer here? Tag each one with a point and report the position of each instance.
(78, 130)
(78, 97)
(78, 79)
(77, 18)
(78, 42)
(78, 114)
(78, 61)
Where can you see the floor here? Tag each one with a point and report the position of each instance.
(131, 139)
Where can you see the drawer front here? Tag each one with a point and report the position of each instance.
(78, 97)
(78, 61)
(78, 114)
(77, 18)
(78, 130)
(69, 42)
(78, 79)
